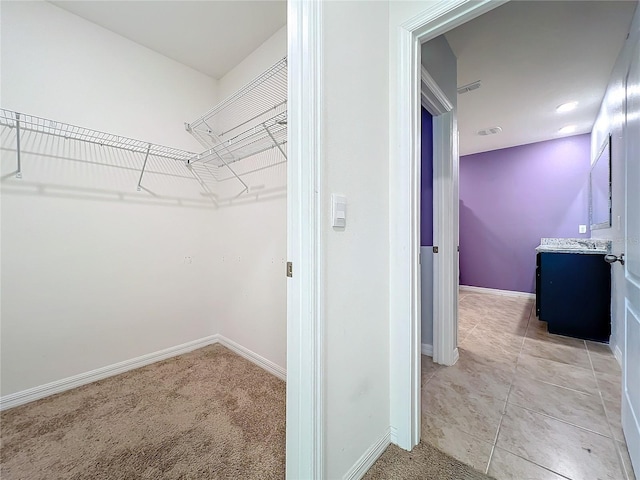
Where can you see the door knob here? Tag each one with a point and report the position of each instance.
(613, 259)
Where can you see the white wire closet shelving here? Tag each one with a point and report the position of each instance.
(30, 123)
(251, 121)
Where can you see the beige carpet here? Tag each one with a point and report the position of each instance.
(208, 414)
(424, 462)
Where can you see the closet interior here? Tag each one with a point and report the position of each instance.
(131, 236)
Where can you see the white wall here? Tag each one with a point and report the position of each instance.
(93, 272)
(251, 235)
(355, 149)
(610, 119)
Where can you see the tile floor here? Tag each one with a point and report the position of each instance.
(522, 403)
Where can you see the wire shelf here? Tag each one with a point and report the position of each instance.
(272, 133)
(31, 123)
(249, 122)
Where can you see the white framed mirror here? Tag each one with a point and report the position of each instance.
(600, 188)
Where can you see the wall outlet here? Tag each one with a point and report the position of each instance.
(582, 229)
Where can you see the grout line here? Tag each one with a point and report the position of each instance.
(561, 386)
(613, 438)
(506, 400)
(566, 422)
(536, 464)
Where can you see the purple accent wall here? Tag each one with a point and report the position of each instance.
(426, 198)
(511, 198)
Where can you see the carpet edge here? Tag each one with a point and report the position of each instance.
(58, 386)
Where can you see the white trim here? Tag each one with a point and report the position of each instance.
(436, 101)
(618, 354)
(404, 194)
(445, 235)
(253, 357)
(58, 386)
(368, 458)
(393, 435)
(495, 291)
(427, 350)
(305, 295)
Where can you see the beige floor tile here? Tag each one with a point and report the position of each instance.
(507, 466)
(571, 406)
(614, 415)
(557, 373)
(575, 354)
(598, 348)
(605, 364)
(470, 412)
(428, 367)
(603, 359)
(493, 345)
(463, 332)
(570, 451)
(456, 443)
(622, 446)
(610, 385)
(479, 374)
(539, 330)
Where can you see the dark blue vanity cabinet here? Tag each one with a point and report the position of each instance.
(573, 294)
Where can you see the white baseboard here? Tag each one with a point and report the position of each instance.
(618, 354)
(394, 435)
(495, 291)
(58, 386)
(366, 461)
(427, 350)
(253, 357)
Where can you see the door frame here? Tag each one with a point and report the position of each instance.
(305, 440)
(404, 217)
(445, 180)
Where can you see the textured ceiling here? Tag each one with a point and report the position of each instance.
(532, 56)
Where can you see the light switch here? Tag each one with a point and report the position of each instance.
(582, 229)
(338, 210)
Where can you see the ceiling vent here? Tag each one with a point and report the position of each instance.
(490, 131)
(468, 87)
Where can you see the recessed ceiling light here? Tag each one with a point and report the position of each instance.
(490, 131)
(566, 107)
(568, 129)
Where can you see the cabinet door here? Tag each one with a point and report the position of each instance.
(575, 295)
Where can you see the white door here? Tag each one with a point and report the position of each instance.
(631, 369)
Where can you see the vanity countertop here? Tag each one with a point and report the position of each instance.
(575, 245)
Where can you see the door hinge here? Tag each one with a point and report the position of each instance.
(289, 269)
(435, 249)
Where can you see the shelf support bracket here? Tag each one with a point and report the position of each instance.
(144, 165)
(275, 142)
(246, 187)
(19, 171)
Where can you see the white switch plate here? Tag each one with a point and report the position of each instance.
(338, 210)
(582, 229)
